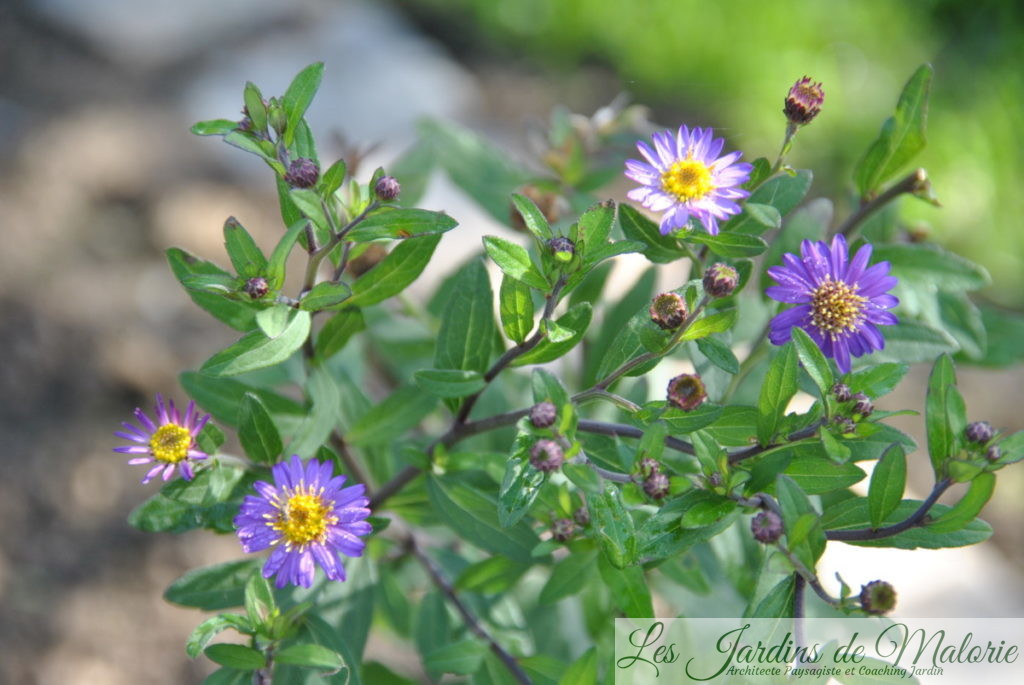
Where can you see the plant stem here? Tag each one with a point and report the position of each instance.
(915, 519)
(513, 352)
(472, 622)
(913, 182)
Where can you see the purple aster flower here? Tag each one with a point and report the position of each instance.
(684, 177)
(168, 442)
(306, 517)
(840, 301)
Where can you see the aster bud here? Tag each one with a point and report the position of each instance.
(582, 517)
(563, 529)
(387, 188)
(656, 485)
(546, 455)
(543, 414)
(841, 391)
(979, 432)
(686, 391)
(844, 424)
(302, 173)
(715, 480)
(993, 453)
(862, 404)
(877, 597)
(563, 248)
(766, 527)
(668, 311)
(720, 280)
(803, 102)
(245, 125)
(256, 287)
(649, 466)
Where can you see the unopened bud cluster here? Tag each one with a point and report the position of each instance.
(543, 415)
(686, 391)
(877, 597)
(302, 173)
(720, 280)
(546, 455)
(562, 248)
(256, 287)
(655, 483)
(766, 527)
(563, 529)
(668, 311)
(803, 102)
(387, 189)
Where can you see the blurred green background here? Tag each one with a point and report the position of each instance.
(729, 64)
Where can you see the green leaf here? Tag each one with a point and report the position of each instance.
(519, 490)
(912, 342)
(276, 263)
(332, 179)
(255, 107)
(574, 322)
(685, 422)
(613, 527)
(901, 137)
(532, 217)
(515, 308)
(941, 440)
(325, 393)
(887, 483)
(326, 295)
(236, 656)
(256, 351)
(628, 587)
(732, 244)
(210, 628)
(467, 329)
(449, 382)
(484, 171)
(334, 335)
(257, 432)
(595, 225)
(396, 224)
(185, 266)
(395, 272)
(472, 514)
(311, 206)
(547, 388)
(273, 320)
(719, 354)
(778, 602)
(794, 505)
(962, 319)
(259, 599)
(515, 261)
(221, 397)
(712, 323)
(568, 576)
(214, 127)
(402, 410)
(783, 192)
(246, 256)
(813, 360)
(925, 264)
(298, 97)
(660, 249)
(853, 514)
(462, 658)
(969, 506)
(816, 475)
(491, 576)
(212, 588)
(583, 671)
(778, 389)
(264, 150)
(765, 215)
(877, 380)
(310, 656)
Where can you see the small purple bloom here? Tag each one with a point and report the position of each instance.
(170, 441)
(840, 301)
(684, 176)
(307, 518)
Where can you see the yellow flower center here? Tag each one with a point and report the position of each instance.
(687, 179)
(170, 443)
(836, 307)
(304, 518)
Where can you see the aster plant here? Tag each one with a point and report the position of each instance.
(436, 457)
